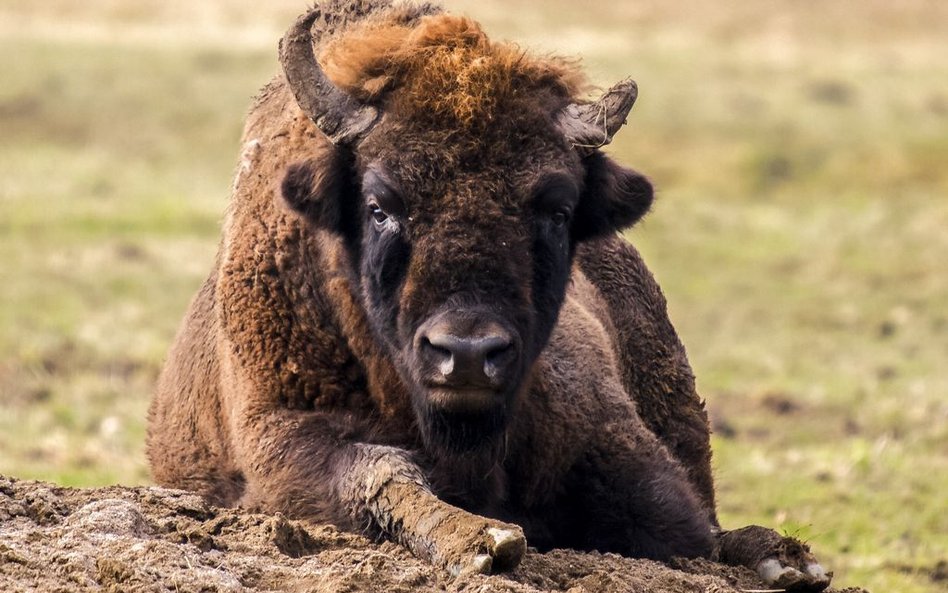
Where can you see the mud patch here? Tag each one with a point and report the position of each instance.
(153, 539)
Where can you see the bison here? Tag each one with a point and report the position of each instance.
(422, 323)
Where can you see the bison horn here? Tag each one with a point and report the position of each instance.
(340, 117)
(588, 126)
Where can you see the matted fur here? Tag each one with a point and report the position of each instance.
(445, 66)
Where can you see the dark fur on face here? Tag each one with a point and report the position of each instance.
(514, 260)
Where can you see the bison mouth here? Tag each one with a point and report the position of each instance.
(463, 401)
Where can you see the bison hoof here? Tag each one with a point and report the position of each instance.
(505, 548)
(811, 577)
(508, 548)
(480, 564)
(781, 562)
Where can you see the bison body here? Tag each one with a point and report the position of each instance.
(421, 322)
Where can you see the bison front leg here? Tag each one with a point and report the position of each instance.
(303, 465)
(397, 497)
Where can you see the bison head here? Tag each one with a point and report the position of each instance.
(462, 175)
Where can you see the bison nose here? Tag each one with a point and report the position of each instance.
(469, 361)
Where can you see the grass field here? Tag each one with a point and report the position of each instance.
(801, 235)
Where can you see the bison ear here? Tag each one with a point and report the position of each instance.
(316, 188)
(614, 198)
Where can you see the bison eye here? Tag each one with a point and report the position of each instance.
(555, 196)
(560, 217)
(378, 215)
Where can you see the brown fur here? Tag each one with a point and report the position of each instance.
(292, 385)
(444, 65)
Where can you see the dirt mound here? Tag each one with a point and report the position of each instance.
(154, 539)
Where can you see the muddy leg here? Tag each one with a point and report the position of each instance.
(304, 466)
(781, 562)
(397, 497)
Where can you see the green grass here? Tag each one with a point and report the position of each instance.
(799, 148)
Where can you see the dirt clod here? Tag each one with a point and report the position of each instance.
(156, 540)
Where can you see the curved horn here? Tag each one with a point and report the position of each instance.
(588, 126)
(343, 119)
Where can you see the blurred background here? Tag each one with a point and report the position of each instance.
(800, 148)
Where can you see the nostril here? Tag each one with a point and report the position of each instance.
(497, 358)
(436, 351)
(497, 353)
(439, 355)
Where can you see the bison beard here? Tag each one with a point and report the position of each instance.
(420, 186)
(454, 433)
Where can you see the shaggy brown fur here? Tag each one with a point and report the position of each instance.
(443, 65)
(301, 379)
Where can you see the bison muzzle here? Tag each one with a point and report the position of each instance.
(422, 323)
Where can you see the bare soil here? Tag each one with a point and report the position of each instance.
(56, 539)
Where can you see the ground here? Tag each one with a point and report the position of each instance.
(157, 540)
(799, 152)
